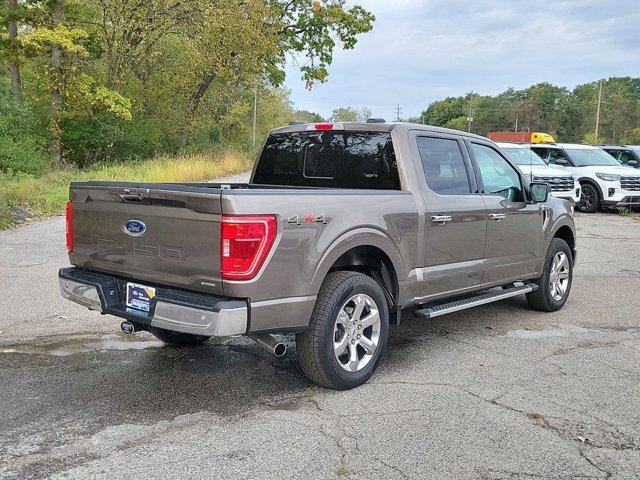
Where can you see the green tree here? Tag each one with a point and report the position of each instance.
(590, 138)
(440, 112)
(23, 146)
(63, 48)
(458, 123)
(313, 29)
(307, 117)
(345, 114)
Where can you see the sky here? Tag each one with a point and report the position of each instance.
(420, 51)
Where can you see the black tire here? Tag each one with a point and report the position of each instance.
(542, 299)
(316, 346)
(590, 201)
(178, 339)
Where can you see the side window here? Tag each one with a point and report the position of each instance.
(554, 155)
(543, 152)
(443, 165)
(498, 176)
(624, 157)
(617, 154)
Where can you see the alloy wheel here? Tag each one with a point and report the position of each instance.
(559, 276)
(587, 197)
(356, 332)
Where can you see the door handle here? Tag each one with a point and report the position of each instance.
(498, 216)
(127, 197)
(441, 219)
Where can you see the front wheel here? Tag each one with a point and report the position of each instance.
(589, 198)
(554, 284)
(178, 339)
(348, 332)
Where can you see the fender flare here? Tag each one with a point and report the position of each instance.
(562, 221)
(358, 237)
(592, 182)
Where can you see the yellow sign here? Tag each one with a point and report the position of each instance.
(539, 137)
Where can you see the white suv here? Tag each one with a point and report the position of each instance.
(604, 182)
(563, 184)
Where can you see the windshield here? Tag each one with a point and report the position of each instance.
(524, 156)
(584, 157)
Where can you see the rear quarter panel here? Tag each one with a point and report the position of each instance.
(284, 291)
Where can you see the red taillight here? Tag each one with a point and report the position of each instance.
(245, 242)
(69, 226)
(324, 126)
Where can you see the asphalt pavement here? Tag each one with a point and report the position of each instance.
(499, 391)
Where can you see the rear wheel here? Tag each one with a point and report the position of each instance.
(589, 198)
(348, 332)
(554, 284)
(178, 339)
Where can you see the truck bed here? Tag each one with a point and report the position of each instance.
(181, 243)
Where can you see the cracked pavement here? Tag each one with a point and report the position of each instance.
(496, 392)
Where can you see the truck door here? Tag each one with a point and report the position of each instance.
(514, 226)
(455, 219)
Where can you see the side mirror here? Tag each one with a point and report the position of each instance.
(540, 192)
(633, 163)
(562, 161)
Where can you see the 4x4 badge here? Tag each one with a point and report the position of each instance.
(300, 218)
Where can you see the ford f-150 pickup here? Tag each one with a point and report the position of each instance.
(340, 228)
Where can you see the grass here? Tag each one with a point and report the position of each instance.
(47, 195)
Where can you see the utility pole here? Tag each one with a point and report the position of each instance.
(398, 112)
(598, 108)
(255, 114)
(471, 110)
(516, 123)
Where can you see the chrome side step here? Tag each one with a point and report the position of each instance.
(431, 311)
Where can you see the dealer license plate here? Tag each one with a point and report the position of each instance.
(139, 296)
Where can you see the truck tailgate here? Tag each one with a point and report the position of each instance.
(173, 236)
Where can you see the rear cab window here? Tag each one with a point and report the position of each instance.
(331, 159)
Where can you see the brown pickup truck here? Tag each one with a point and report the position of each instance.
(341, 227)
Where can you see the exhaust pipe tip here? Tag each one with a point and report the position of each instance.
(270, 344)
(280, 349)
(127, 328)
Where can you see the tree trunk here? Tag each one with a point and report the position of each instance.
(194, 104)
(198, 94)
(56, 89)
(13, 67)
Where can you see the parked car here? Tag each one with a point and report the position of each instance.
(563, 184)
(628, 155)
(604, 182)
(341, 227)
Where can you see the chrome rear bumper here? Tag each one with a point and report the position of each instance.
(175, 310)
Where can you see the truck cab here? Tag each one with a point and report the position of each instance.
(604, 182)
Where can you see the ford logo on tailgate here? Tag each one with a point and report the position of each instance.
(135, 228)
